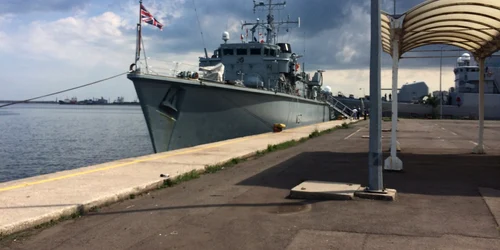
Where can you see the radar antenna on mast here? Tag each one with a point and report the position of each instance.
(270, 26)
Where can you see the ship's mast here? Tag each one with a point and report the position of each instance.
(271, 35)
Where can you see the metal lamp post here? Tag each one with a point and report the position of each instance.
(440, 81)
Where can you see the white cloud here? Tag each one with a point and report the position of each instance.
(345, 44)
(346, 54)
(82, 41)
(6, 18)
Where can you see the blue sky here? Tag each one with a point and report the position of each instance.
(51, 45)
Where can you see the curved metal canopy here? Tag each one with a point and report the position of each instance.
(473, 25)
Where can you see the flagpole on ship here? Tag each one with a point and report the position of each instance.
(139, 38)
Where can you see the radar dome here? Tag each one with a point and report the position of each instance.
(466, 56)
(460, 60)
(225, 36)
(327, 89)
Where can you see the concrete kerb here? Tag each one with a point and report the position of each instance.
(387, 194)
(74, 211)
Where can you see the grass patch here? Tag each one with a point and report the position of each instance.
(210, 169)
(388, 119)
(29, 232)
(193, 174)
(94, 209)
(62, 218)
(317, 133)
(280, 146)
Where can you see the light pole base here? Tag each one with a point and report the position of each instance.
(394, 164)
(478, 149)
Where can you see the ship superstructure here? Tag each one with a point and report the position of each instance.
(466, 89)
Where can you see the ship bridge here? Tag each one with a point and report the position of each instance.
(473, 25)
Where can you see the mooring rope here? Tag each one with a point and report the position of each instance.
(66, 90)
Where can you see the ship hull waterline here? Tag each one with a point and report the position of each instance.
(182, 113)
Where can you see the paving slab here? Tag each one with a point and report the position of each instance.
(455, 242)
(492, 198)
(322, 190)
(317, 239)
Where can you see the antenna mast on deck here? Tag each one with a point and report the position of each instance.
(270, 27)
(201, 31)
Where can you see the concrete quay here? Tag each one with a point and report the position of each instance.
(448, 198)
(29, 202)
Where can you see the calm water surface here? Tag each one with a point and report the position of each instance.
(45, 138)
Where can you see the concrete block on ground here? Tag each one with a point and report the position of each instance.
(393, 164)
(367, 136)
(322, 190)
(389, 130)
(387, 195)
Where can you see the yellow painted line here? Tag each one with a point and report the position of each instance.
(127, 163)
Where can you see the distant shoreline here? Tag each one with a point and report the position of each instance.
(78, 104)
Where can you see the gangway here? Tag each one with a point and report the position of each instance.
(339, 106)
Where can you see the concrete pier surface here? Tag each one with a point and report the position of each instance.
(448, 198)
(29, 202)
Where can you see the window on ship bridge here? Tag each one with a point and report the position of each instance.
(266, 51)
(228, 52)
(241, 52)
(255, 52)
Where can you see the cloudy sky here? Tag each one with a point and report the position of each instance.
(50, 45)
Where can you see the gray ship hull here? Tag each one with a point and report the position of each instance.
(404, 109)
(182, 113)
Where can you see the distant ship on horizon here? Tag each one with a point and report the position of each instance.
(95, 101)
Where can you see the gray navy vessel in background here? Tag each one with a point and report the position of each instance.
(246, 87)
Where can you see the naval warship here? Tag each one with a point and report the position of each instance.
(243, 89)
